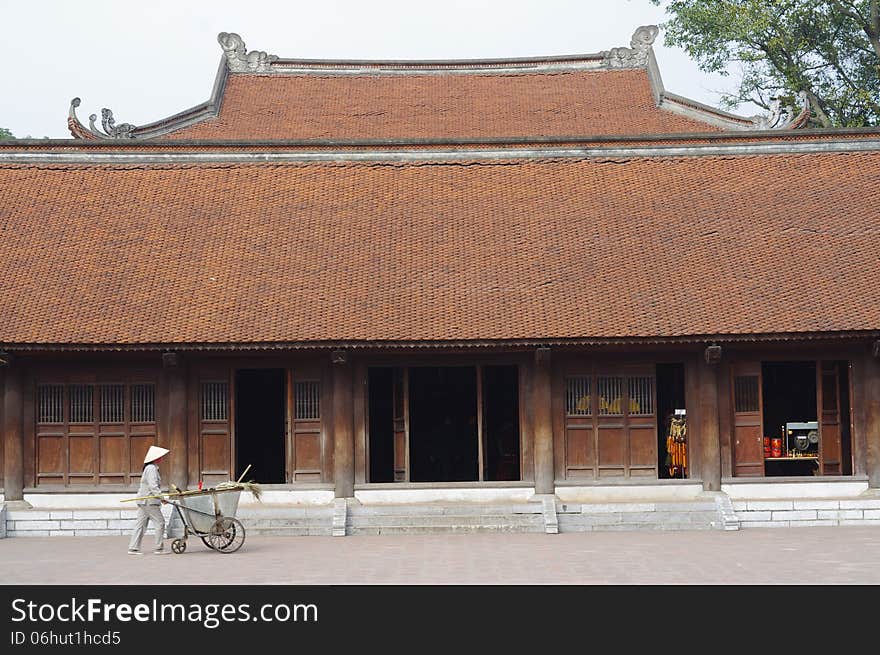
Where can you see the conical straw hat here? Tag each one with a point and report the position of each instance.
(154, 453)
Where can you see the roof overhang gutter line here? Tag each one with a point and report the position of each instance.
(441, 345)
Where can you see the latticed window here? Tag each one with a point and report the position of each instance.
(112, 403)
(745, 393)
(577, 396)
(50, 403)
(215, 401)
(143, 403)
(82, 407)
(610, 391)
(307, 400)
(641, 396)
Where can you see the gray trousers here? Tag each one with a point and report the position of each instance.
(145, 513)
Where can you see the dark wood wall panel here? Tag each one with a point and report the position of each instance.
(82, 453)
(215, 414)
(50, 459)
(828, 405)
(642, 450)
(310, 406)
(747, 404)
(580, 452)
(112, 459)
(307, 453)
(612, 451)
(607, 414)
(89, 444)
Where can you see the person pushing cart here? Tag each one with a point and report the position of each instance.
(150, 508)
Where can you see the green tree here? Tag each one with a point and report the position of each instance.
(828, 49)
(5, 134)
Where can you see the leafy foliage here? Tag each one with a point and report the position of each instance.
(5, 134)
(830, 49)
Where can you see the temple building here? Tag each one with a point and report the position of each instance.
(536, 294)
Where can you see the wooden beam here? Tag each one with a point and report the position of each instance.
(543, 423)
(175, 380)
(710, 445)
(361, 455)
(871, 381)
(13, 436)
(343, 426)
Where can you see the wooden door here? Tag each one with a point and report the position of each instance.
(400, 404)
(828, 406)
(611, 425)
(748, 429)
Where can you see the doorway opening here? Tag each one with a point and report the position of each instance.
(443, 424)
(381, 410)
(500, 423)
(789, 394)
(259, 424)
(670, 405)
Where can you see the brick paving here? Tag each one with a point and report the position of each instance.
(815, 555)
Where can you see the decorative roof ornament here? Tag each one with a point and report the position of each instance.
(111, 129)
(238, 59)
(787, 118)
(636, 56)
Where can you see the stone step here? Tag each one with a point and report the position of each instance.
(445, 529)
(433, 509)
(444, 520)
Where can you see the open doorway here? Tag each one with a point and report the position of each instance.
(670, 405)
(789, 394)
(259, 424)
(443, 424)
(381, 424)
(500, 423)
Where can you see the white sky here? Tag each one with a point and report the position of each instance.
(152, 58)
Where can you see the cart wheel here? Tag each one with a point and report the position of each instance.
(207, 542)
(227, 535)
(178, 546)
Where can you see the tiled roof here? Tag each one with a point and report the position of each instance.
(412, 106)
(529, 249)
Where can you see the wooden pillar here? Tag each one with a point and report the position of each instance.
(543, 423)
(710, 444)
(343, 426)
(871, 378)
(13, 436)
(175, 382)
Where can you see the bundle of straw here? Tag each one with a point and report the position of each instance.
(250, 485)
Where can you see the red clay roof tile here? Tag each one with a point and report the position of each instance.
(411, 106)
(592, 248)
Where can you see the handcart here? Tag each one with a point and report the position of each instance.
(209, 515)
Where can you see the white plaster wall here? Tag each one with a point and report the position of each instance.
(393, 496)
(287, 497)
(626, 493)
(806, 489)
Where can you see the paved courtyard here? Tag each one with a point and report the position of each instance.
(815, 555)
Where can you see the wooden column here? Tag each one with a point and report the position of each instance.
(343, 426)
(13, 436)
(710, 444)
(543, 423)
(871, 378)
(175, 383)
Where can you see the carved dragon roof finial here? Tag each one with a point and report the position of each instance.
(238, 59)
(788, 118)
(111, 130)
(636, 55)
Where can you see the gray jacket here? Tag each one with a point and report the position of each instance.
(150, 482)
